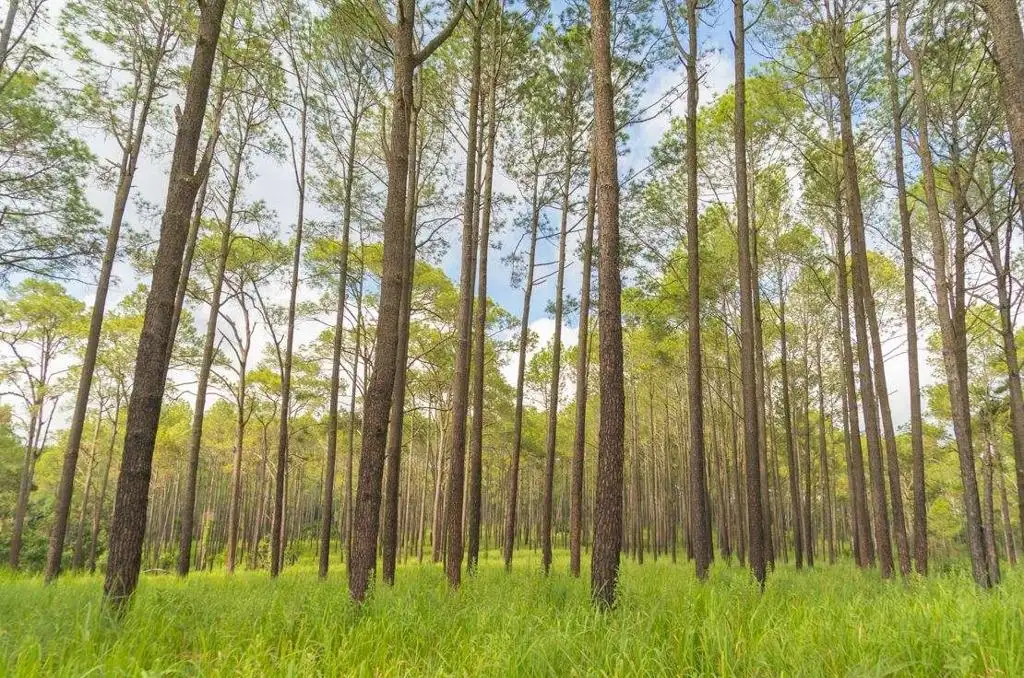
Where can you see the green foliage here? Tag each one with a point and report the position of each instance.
(829, 621)
(47, 226)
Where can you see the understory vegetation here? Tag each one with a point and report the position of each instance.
(831, 620)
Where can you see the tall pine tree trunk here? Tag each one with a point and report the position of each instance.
(389, 540)
(755, 520)
(128, 526)
(479, 326)
(464, 327)
(608, 490)
(339, 332)
(699, 510)
(582, 377)
(958, 397)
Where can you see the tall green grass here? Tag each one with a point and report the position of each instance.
(827, 621)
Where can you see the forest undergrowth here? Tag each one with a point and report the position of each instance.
(830, 620)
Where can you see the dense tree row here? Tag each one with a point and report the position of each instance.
(804, 345)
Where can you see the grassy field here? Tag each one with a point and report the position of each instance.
(829, 621)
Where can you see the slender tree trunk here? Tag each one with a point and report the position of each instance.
(920, 519)
(556, 351)
(988, 510)
(517, 422)
(699, 509)
(464, 328)
(861, 518)
(129, 162)
(787, 425)
(78, 553)
(129, 523)
(209, 347)
(389, 540)
(480, 324)
(235, 505)
(339, 332)
(957, 388)
(276, 543)
(826, 483)
(999, 255)
(862, 302)
(608, 490)
(737, 466)
(349, 484)
(7, 31)
(97, 511)
(1011, 550)
(582, 377)
(808, 518)
(755, 526)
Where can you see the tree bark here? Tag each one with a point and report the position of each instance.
(129, 522)
(1008, 38)
(517, 422)
(339, 331)
(389, 540)
(608, 491)
(378, 393)
(787, 425)
(480, 323)
(755, 526)
(920, 518)
(464, 327)
(700, 512)
(958, 396)
(582, 377)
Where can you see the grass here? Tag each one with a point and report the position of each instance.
(829, 621)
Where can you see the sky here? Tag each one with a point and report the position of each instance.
(274, 183)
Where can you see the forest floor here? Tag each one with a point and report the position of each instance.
(826, 621)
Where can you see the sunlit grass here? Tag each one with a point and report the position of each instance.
(829, 621)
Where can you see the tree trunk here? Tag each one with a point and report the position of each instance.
(920, 518)
(339, 331)
(960, 405)
(209, 347)
(608, 490)
(1005, 26)
(378, 393)
(755, 525)
(826, 482)
(556, 349)
(988, 511)
(389, 540)
(787, 426)
(129, 523)
(97, 511)
(129, 162)
(480, 323)
(517, 422)
(808, 520)
(863, 303)
(700, 512)
(78, 554)
(277, 544)
(235, 505)
(464, 327)
(582, 377)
